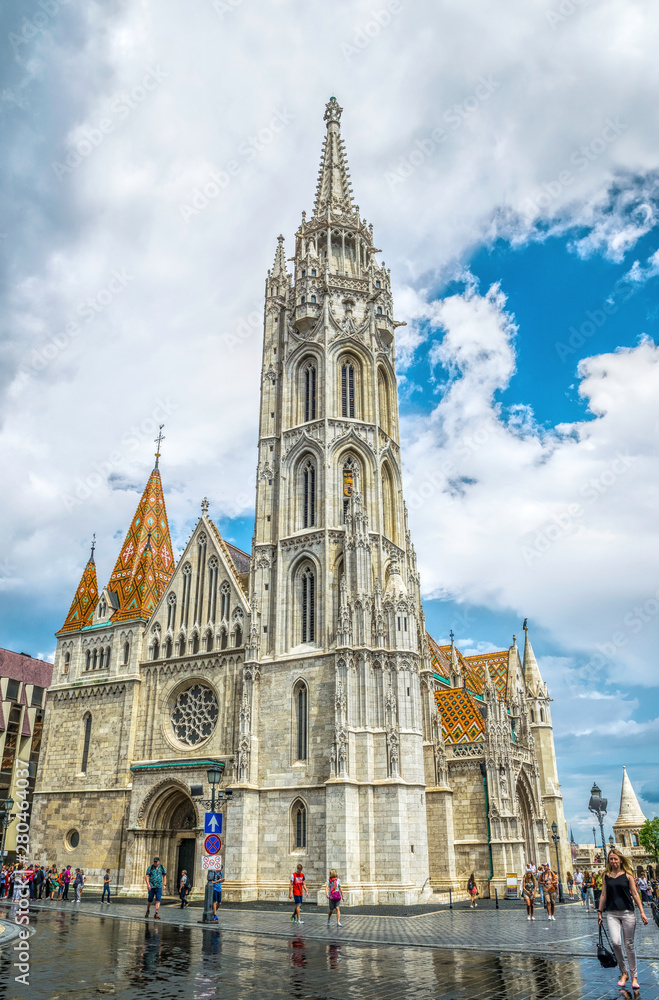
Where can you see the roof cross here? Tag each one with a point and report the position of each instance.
(91, 557)
(158, 440)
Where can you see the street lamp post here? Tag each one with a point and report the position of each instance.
(214, 775)
(6, 819)
(597, 806)
(555, 837)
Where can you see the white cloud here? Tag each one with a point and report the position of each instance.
(545, 522)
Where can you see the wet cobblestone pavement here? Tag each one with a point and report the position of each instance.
(83, 951)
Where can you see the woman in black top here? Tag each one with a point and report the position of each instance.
(619, 893)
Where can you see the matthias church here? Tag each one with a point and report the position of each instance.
(303, 669)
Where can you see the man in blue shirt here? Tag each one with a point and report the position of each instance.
(156, 881)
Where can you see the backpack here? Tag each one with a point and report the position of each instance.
(335, 891)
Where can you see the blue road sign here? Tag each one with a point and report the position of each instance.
(212, 822)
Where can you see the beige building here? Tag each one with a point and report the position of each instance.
(349, 737)
(628, 824)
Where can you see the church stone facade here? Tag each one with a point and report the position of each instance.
(348, 736)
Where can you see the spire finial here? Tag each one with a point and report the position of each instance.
(159, 440)
(452, 637)
(204, 507)
(91, 556)
(525, 626)
(333, 112)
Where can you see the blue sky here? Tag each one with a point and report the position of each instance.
(530, 462)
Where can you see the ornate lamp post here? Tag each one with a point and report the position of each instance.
(597, 806)
(214, 775)
(555, 837)
(6, 819)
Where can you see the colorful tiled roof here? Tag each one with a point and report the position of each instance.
(146, 563)
(440, 657)
(240, 558)
(497, 664)
(81, 611)
(461, 720)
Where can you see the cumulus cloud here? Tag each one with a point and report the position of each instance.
(544, 522)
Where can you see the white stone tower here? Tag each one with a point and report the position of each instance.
(630, 819)
(332, 729)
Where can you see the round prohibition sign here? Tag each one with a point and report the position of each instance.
(212, 844)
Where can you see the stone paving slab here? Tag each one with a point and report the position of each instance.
(573, 933)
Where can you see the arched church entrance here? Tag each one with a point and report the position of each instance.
(171, 821)
(526, 818)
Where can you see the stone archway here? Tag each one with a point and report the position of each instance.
(526, 820)
(168, 821)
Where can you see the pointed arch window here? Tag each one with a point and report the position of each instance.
(388, 503)
(195, 642)
(349, 483)
(300, 703)
(238, 633)
(308, 494)
(181, 645)
(67, 662)
(212, 587)
(95, 659)
(126, 652)
(225, 601)
(85, 745)
(156, 649)
(88, 657)
(168, 648)
(309, 393)
(347, 388)
(384, 402)
(299, 823)
(107, 657)
(185, 602)
(308, 605)
(223, 639)
(171, 611)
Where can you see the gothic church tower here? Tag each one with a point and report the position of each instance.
(332, 729)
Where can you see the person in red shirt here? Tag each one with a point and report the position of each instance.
(295, 891)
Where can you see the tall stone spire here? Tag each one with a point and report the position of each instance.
(532, 675)
(334, 189)
(82, 607)
(145, 563)
(630, 813)
(279, 266)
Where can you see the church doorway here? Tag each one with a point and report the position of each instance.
(172, 822)
(526, 818)
(186, 858)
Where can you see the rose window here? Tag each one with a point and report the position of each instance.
(194, 714)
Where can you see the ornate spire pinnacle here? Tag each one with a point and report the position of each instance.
(279, 266)
(159, 440)
(630, 813)
(145, 564)
(530, 667)
(334, 190)
(204, 507)
(82, 607)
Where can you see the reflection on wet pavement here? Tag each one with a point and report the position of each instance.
(76, 955)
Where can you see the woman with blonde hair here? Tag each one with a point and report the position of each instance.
(619, 893)
(334, 896)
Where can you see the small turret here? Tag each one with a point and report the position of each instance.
(82, 607)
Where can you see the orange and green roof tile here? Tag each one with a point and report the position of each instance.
(82, 607)
(462, 722)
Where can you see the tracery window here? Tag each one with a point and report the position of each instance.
(212, 587)
(349, 483)
(300, 699)
(225, 601)
(347, 388)
(194, 714)
(187, 582)
(86, 740)
(388, 503)
(171, 611)
(308, 605)
(309, 378)
(299, 818)
(308, 494)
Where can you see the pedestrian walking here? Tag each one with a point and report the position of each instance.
(570, 884)
(156, 881)
(16, 883)
(529, 891)
(52, 883)
(549, 882)
(67, 878)
(78, 883)
(589, 891)
(184, 888)
(578, 885)
(619, 894)
(334, 895)
(643, 887)
(472, 889)
(218, 879)
(107, 879)
(296, 889)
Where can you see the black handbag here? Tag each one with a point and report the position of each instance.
(605, 957)
(655, 912)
